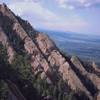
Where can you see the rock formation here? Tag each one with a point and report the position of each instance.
(45, 55)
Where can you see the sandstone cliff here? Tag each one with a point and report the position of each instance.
(18, 36)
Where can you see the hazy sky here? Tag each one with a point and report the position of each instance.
(82, 16)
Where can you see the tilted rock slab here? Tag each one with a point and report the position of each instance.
(45, 55)
(93, 77)
(56, 59)
(37, 61)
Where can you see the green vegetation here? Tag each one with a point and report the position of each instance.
(3, 85)
(3, 54)
(21, 67)
(56, 92)
(3, 90)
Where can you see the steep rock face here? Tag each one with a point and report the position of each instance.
(91, 76)
(29, 45)
(45, 44)
(7, 12)
(73, 81)
(37, 58)
(56, 59)
(45, 56)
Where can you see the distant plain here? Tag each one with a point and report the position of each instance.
(87, 47)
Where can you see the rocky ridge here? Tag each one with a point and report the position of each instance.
(18, 36)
